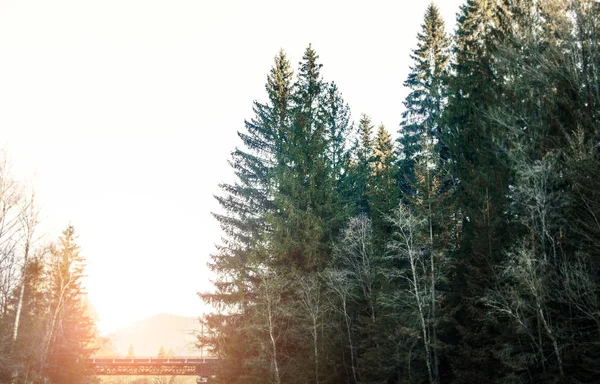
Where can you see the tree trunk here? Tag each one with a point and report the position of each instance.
(21, 295)
(552, 339)
(352, 359)
(275, 363)
(421, 316)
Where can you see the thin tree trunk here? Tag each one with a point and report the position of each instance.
(273, 341)
(552, 339)
(421, 316)
(410, 364)
(49, 341)
(316, 349)
(432, 262)
(433, 301)
(21, 295)
(51, 333)
(19, 309)
(352, 359)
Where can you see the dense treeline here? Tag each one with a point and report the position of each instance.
(46, 327)
(467, 251)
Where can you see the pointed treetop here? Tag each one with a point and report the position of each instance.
(432, 53)
(365, 130)
(426, 80)
(475, 21)
(383, 149)
(280, 79)
(68, 234)
(310, 56)
(383, 137)
(309, 76)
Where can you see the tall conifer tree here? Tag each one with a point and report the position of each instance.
(425, 102)
(382, 188)
(245, 204)
(481, 176)
(302, 196)
(70, 329)
(420, 161)
(338, 128)
(362, 165)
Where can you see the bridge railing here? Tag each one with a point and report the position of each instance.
(151, 359)
(152, 365)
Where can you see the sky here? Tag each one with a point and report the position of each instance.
(121, 115)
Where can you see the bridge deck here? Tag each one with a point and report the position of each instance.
(153, 366)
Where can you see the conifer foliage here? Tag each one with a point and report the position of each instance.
(46, 327)
(71, 330)
(465, 251)
(427, 97)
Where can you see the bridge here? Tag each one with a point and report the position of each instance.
(154, 366)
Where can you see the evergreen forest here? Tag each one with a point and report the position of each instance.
(467, 250)
(47, 327)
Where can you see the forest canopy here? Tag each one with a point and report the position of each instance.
(465, 251)
(47, 327)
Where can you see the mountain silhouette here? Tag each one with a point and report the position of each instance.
(147, 336)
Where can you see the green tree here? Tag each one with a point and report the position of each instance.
(302, 196)
(338, 128)
(70, 330)
(547, 269)
(482, 179)
(307, 218)
(382, 188)
(244, 205)
(420, 173)
(428, 92)
(362, 163)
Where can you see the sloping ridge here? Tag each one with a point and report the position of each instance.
(172, 332)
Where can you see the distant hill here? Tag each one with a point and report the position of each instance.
(148, 335)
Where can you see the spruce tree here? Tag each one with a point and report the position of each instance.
(482, 179)
(338, 128)
(303, 196)
(425, 102)
(70, 330)
(421, 164)
(308, 212)
(245, 204)
(382, 187)
(362, 164)
(280, 217)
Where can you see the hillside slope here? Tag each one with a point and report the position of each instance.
(164, 330)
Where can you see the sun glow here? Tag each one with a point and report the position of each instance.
(127, 129)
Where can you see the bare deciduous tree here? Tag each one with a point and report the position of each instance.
(270, 312)
(29, 221)
(310, 292)
(406, 245)
(340, 283)
(355, 255)
(352, 280)
(10, 236)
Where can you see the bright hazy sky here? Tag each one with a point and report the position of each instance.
(122, 115)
